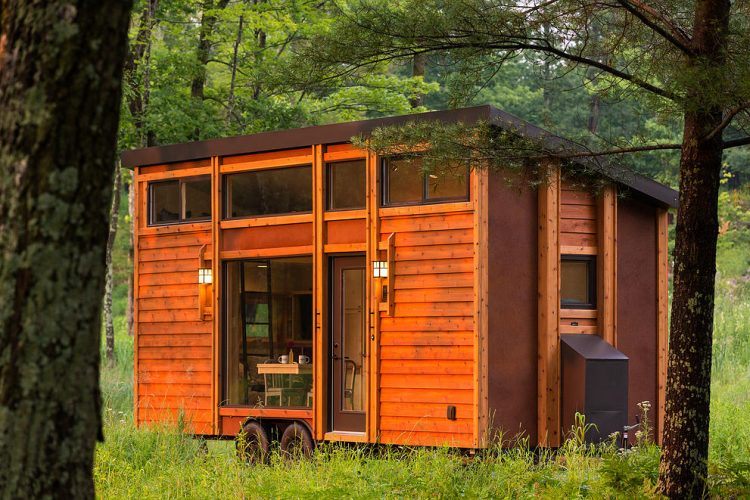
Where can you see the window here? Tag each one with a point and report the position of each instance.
(347, 185)
(405, 183)
(269, 192)
(578, 281)
(268, 314)
(180, 200)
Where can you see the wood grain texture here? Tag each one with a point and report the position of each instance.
(428, 343)
(549, 305)
(662, 255)
(607, 264)
(174, 349)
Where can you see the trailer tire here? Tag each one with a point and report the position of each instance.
(296, 441)
(253, 444)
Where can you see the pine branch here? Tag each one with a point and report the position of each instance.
(673, 35)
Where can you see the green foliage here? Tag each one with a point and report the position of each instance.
(246, 90)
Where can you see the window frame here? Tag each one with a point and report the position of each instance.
(592, 281)
(227, 195)
(426, 200)
(223, 333)
(181, 181)
(329, 183)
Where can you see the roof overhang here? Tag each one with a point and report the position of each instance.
(343, 132)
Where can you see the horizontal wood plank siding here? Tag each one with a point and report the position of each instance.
(579, 235)
(174, 368)
(427, 345)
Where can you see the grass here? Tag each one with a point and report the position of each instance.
(165, 463)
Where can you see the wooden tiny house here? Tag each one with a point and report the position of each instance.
(416, 309)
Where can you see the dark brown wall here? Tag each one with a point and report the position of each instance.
(512, 307)
(636, 299)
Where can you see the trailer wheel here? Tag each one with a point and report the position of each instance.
(253, 444)
(296, 441)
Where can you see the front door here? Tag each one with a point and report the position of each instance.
(347, 344)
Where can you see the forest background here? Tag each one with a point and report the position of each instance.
(214, 68)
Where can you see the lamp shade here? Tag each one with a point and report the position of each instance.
(205, 277)
(380, 269)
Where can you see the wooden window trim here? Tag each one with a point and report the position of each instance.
(227, 197)
(592, 281)
(426, 200)
(180, 191)
(238, 409)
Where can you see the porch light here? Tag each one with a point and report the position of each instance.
(379, 269)
(204, 276)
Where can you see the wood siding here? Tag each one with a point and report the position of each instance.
(427, 346)
(174, 369)
(579, 228)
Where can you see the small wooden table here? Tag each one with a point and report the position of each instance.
(284, 369)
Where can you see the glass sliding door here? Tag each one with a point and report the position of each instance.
(268, 325)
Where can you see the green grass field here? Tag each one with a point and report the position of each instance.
(164, 463)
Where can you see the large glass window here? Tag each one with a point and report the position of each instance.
(180, 200)
(405, 183)
(269, 192)
(268, 333)
(578, 281)
(347, 185)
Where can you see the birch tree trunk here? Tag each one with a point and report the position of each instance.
(131, 256)
(60, 88)
(109, 327)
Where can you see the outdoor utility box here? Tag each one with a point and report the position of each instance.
(595, 384)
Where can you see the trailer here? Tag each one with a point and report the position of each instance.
(292, 288)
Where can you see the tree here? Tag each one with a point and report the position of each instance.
(109, 326)
(687, 59)
(60, 73)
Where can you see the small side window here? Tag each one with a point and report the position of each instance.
(179, 200)
(578, 281)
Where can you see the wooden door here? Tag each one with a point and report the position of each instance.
(348, 346)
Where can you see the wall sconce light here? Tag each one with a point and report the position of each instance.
(205, 277)
(379, 269)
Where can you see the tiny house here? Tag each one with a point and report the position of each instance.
(296, 287)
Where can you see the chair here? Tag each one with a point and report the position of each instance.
(273, 386)
(349, 388)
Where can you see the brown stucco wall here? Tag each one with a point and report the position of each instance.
(636, 299)
(512, 328)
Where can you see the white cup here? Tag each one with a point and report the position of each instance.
(284, 359)
(303, 360)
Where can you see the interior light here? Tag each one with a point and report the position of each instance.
(380, 269)
(205, 277)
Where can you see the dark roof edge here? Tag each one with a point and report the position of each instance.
(343, 132)
(290, 138)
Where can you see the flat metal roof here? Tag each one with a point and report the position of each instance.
(343, 132)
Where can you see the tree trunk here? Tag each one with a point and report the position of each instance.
(683, 469)
(417, 69)
(233, 78)
(203, 52)
(60, 67)
(131, 256)
(139, 56)
(109, 326)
